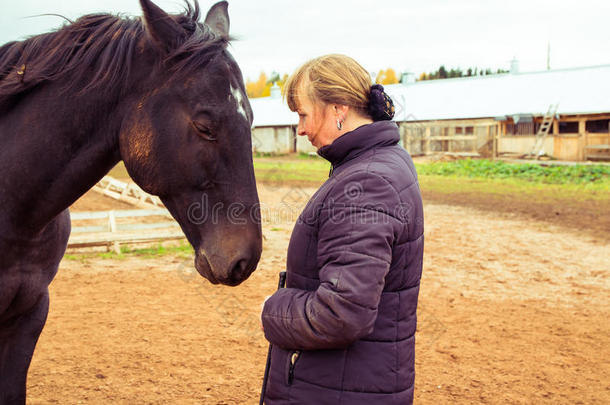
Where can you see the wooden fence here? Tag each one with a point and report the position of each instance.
(128, 192)
(113, 228)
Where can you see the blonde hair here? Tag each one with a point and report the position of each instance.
(331, 79)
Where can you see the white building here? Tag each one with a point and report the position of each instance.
(496, 114)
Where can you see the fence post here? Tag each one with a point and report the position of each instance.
(495, 133)
(116, 247)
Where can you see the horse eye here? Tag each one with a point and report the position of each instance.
(204, 131)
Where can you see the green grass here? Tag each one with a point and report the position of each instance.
(577, 174)
(184, 250)
(524, 189)
(305, 168)
(302, 170)
(476, 182)
(579, 182)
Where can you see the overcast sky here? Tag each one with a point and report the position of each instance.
(407, 35)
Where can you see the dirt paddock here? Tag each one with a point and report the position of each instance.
(512, 310)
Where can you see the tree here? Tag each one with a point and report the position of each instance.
(442, 72)
(262, 87)
(256, 89)
(389, 77)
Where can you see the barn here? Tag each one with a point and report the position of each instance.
(561, 113)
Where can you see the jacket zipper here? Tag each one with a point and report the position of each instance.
(294, 357)
(330, 172)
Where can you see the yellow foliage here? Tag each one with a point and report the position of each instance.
(387, 76)
(257, 88)
(390, 77)
(266, 91)
(261, 88)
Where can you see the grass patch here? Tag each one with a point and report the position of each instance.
(306, 169)
(184, 250)
(303, 170)
(481, 168)
(522, 189)
(315, 171)
(485, 177)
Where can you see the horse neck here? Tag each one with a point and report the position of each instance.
(54, 150)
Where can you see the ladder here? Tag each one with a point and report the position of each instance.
(543, 131)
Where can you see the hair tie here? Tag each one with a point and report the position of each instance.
(381, 107)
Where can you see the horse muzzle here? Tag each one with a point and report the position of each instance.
(231, 271)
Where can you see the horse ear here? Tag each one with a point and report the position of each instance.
(218, 18)
(162, 28)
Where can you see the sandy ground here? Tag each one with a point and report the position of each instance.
(511, 310)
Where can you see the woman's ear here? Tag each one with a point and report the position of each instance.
(340, 110)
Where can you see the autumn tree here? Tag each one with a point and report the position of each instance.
(257, 88)
(262, 87)
(387, 76)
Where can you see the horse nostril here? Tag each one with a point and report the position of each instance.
(240, 271)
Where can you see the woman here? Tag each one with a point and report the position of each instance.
(343, 329)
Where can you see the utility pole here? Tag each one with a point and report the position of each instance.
(548, 56)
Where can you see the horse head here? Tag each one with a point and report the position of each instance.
(187, 138)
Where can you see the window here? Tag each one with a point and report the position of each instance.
(464, 130)
(568, 127)
(522, 128)
(598, 126)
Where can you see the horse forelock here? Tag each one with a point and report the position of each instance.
(95, 53)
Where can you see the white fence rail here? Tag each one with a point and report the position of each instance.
(128, 192)
(101, 228)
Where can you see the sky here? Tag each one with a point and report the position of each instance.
(407, 35)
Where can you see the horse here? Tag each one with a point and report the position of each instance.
(160, 92)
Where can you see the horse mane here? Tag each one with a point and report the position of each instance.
(96, 53)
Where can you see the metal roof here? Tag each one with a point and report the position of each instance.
(584, 90)
(272, 111)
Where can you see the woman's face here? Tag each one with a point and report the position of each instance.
(318, 122)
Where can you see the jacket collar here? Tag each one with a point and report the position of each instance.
(353, 143)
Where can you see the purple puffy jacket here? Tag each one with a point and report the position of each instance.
(343, 329)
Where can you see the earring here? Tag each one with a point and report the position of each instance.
(339, 124)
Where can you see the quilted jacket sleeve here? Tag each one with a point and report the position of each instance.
(357, 228)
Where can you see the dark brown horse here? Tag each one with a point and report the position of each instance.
(160, 93)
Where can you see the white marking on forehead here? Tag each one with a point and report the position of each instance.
(239, 98)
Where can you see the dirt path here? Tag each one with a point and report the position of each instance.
(588, 217)
(511, 311)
